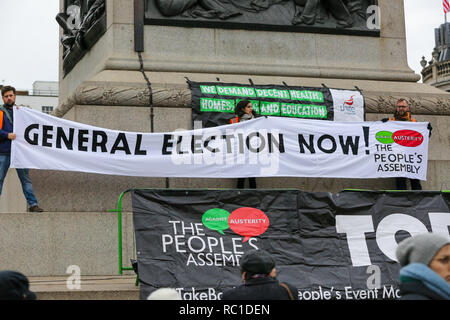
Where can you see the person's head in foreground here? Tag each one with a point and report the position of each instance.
(257, 264)
(259, 281)
(425, 262)
(164, 294)
(14, 286)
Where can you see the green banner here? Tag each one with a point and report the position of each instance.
(303, 111)
(270, 108)
(236, 91)
(306, 95)
(267, 108)
(208, 89)
(216, 105)
(272, 93)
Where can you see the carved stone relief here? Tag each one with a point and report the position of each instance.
(320, 15)
(83, 22)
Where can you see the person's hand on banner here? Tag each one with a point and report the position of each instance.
(11, 136)
(385, 120)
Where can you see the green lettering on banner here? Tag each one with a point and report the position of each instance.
(236, 91)
(216, 105)
(270, 108)
(208, 89)
(303, 111)
(272, 93)
(255, 105)
(306, 95)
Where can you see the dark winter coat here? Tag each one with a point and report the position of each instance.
(260, 289)
(7, 127)
(417, 291)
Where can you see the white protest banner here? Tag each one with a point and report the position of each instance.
(263, 147)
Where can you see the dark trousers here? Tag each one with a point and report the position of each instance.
(251, 183)
(402, 184)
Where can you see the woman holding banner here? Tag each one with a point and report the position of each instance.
(245, 112)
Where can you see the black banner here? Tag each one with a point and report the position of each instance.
(214, 103)
(330, 246)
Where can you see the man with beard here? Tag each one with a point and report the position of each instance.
(403, 113)
(6, 136)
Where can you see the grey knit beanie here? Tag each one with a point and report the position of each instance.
(420, 248)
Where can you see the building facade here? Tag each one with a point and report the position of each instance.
(43, 97)
(437, 71)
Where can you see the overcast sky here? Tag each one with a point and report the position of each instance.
(30, 38)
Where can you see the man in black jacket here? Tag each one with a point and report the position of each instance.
(259, 280)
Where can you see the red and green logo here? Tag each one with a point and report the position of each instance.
(406, 138)
(247, 222)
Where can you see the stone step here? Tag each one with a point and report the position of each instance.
(46, 244)
(91, 288)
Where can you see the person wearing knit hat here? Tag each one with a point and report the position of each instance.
(259, 280)
(425, 272)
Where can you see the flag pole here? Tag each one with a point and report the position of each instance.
(446, 8)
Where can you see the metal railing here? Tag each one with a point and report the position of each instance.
(119, 231)
(50, 93)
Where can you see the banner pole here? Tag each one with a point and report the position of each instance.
(119, 232)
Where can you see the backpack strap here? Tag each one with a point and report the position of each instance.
(284, 285)
(1, 119)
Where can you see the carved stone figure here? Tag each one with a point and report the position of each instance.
(70, 30)
(347, 13)
(95, 10)
(208, 8)
(255, 5)
(74, 33)
(314, 11)
(213, 9)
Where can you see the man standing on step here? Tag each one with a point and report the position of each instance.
(6, 136)
(403, 113)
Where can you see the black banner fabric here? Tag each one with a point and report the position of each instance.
(329, 246)
(213, 103)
